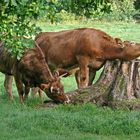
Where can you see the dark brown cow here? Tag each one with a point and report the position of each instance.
(32, 71)
(34, 90)
(86, 48)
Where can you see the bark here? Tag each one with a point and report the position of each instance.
(127, 83)
(118, 86)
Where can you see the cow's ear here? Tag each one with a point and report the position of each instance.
(119, 43)
(118, 40)
(39, 49)
(44, 86)
(133, 43)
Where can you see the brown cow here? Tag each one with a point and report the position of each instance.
(34, 90)
(32, 70)
(86, 48)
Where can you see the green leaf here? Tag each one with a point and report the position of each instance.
(13, 2)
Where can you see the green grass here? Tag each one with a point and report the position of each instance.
(69, 122)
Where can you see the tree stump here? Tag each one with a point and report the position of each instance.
(117, 87)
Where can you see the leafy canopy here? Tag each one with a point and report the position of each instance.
(87, 7)
(16, 18)
(16, 25)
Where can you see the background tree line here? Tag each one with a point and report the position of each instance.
(16, 16)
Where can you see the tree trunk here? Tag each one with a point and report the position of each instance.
(118, 86)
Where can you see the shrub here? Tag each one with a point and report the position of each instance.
(122, 10)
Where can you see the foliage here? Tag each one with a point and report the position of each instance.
(87, 8)
(53, 7)
(116, 10)
(122, 10)
(137, 4)
(57, 9)
(137, 7)
(15, 17)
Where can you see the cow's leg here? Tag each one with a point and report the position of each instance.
(36, 90)
(77, 78)
(8, 85)
(20, 87)
(92, 73)
(40, 93)
(27, 90)
(84, 71)
(93, 67)
(84, 76)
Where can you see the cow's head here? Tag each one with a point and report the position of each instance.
(125, 50)
(131, 50)
(36, 73)
(55, 91)
(51, 82)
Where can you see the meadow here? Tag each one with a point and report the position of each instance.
(69, 122)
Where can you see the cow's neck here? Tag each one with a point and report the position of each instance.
(113, 56)
(112, 53)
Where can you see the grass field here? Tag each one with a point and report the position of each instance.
(69, 122)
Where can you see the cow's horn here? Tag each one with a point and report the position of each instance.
(63, 75)
(36, 44)
(47, 67)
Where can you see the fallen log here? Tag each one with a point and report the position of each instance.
(117, 87)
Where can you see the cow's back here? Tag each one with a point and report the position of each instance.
(62, 48)
(59, 47)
